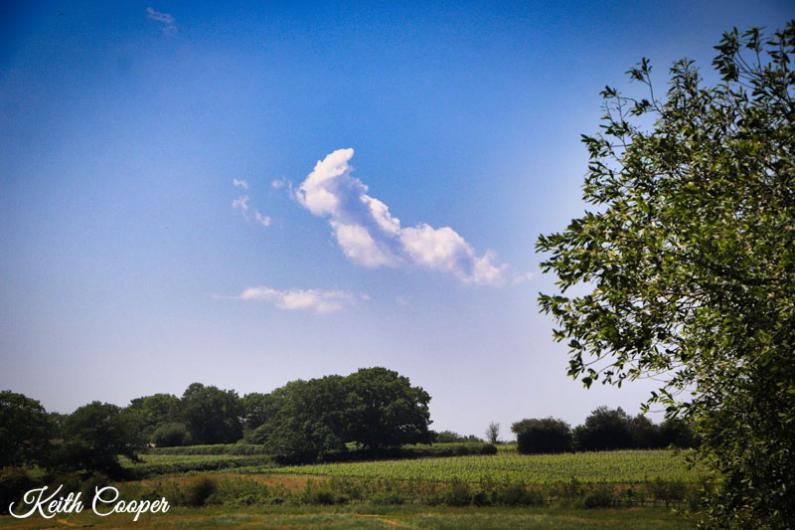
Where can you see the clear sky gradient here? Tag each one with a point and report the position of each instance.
(132, 263)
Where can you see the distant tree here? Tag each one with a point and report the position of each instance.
(382, 409)
(645, 434)
(604, 429)
(257, 409)
(453, 437)
(683, 263)
(309, 420)
(25, 430)
(211, 415)
(676, 432)
(493, 432)
(170, 435)
(548, 435)
(154, 411)
(95, 435)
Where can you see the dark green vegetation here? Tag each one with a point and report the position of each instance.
(689, 254)
(604, 429)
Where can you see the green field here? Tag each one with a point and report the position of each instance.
(374, 518)
(609, 467)
(217, 488)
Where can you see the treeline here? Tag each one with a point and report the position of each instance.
(370, 413)
(605, 429)
(371, 409)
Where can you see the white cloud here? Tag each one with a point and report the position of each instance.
(371, 236)
(315, 300)
(166, 20)
(278, 184)
(241, 203)
(264, 220)
(523, 278)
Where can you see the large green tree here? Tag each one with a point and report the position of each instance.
(687, 261)
(308, 422)
(211, 415)
(382, 409)
(95, 435)
(154, 411)
(25, 430)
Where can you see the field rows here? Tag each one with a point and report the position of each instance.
(609, 467)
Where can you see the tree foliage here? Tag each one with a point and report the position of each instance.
(688, 263)
(25, 430)
(382, 409)
(95, 435)
(547, 435)
(211, 415)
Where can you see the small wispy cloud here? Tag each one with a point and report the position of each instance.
(278, 184)
(313, 300)
(523, 278)
(369, 235)
(243, 205)
(264, 220)
(167, 22)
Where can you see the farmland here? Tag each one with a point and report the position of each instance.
(594, 467)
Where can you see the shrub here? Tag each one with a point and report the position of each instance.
(599, 498)
(14, 482)
(459, 494)
(170, 435)
(197, 493)
(488, 449)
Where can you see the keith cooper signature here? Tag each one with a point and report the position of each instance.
(106, 502)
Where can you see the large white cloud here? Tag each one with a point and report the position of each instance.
(316, 300)
(371, 236)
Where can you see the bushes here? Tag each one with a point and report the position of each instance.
(14, 482)
(197, 493)
(547, 435)
(488, 449)
(170, 435)
(216, 449)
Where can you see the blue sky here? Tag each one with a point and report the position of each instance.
(133, 263)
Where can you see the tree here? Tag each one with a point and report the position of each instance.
(308, 423)
(257, 409)
(676, 432)
(95, 435)
(604, 430)
(382, 409)
(548, 435)
(645, 434)
(211, 415)
(453, 437)
(493, 432)
(25, 430)
(154, 411)
(687, 259)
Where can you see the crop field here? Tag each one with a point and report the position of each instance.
(601, 467)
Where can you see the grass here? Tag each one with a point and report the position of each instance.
(372, 517)
(597, 467)
(157, 464)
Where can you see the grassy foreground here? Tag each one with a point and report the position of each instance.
(374, 517)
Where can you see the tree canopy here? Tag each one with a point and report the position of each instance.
(25, 430)
(687, 261)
